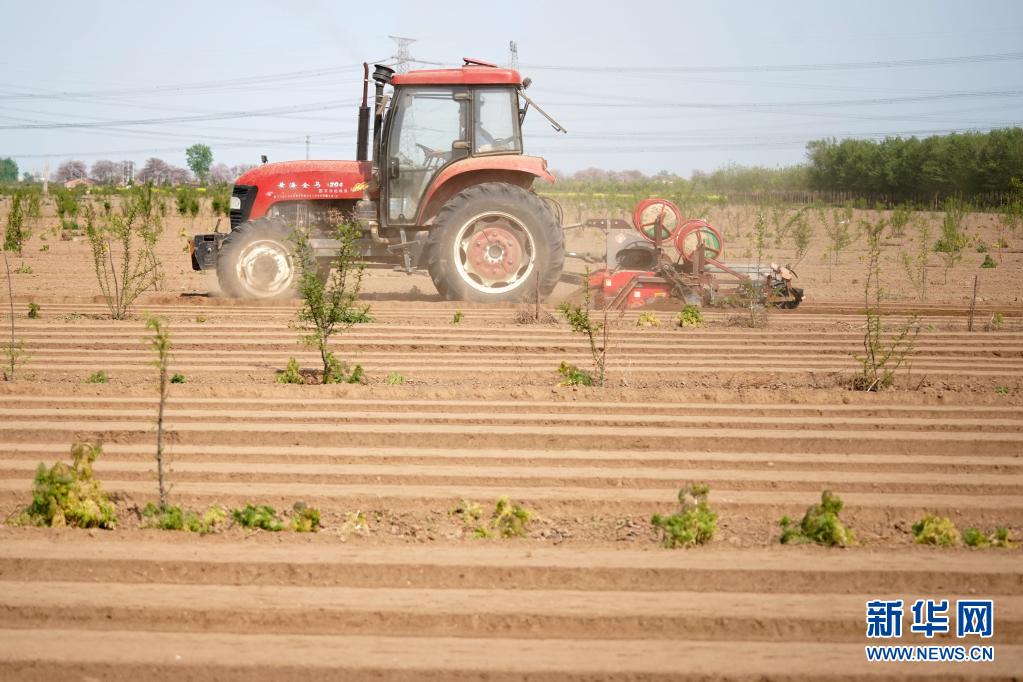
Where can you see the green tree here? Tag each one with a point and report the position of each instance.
(8, 170)
(200, 158)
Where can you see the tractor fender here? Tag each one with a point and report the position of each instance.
(455, 177)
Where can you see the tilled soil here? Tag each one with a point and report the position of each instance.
(765, 417)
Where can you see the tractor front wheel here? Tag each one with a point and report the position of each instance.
(257, 260)
(495, 242)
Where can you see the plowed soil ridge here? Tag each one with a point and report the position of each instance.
(408, 593)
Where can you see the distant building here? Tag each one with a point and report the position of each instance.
(78, 182)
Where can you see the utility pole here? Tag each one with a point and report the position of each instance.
(401, 56)
(513, 55)
(46, 176)
(306, 147)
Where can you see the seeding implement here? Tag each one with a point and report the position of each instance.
(639, 268)
(448, 190)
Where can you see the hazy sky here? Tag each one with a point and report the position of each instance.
(671, 85)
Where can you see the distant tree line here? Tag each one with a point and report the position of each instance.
(976, 167)
(201, 170)
(972, 166)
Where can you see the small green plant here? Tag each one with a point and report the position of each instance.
(291, 374)
(916, 264)
(648, 319)
(123, 247)
(573, 376)
(989, 262)
(304, 519)
(263, 517)
(997, 321)
(160, 344)
(15, 236)
(355, 522)
(457, 319)
(506, 521)
(972, 537)
(470, 512)
(201, 319)
(936, 530)
(339, 373)
(690, 316)
(820, 525)
(882, 356)
(694, 524)
(65, 495)
(839, 237)
(24, 269)
(174, 518)
(981, 247)
(953, 240)
(98, 377)
(509, 520)
(44, 247)
(330, 304)
(900, 217)
(33, 311)
(579, 319)
(177, 378)
(395, 379)
(1002, 390)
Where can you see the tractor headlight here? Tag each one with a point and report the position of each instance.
(236, 203)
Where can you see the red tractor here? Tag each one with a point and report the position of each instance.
(448, 190)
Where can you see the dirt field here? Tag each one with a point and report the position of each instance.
(760, 415)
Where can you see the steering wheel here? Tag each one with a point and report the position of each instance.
(483, 133)
(430, 153)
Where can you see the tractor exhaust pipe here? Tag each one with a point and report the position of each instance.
(362, 140)
(382, 76)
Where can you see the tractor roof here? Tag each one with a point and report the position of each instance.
(474, 72)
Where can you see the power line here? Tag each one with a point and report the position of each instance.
(276, 111)
(183, 87)
(834, 66)
(867, 101)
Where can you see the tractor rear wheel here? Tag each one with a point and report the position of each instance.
(495, 242)
(257, 260)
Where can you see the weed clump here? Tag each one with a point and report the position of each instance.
(261, 516)
(694, 524)
(820, 525)
(395, 379)
(507, 520)
(65, 495)
(936, 530)
(989, 262)
(690, 316)
(648, 319)
(177, 378)
(338, 372)
(291, 374)
(304, 519)
(573, 376)
(974, 537)
(457, 318)
(99, 377)
(174, 518)
(33, 311)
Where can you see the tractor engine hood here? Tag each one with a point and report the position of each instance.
(304, 180)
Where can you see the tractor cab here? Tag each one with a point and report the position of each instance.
(435, 118)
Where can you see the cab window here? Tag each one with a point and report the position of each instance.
(497, 121)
